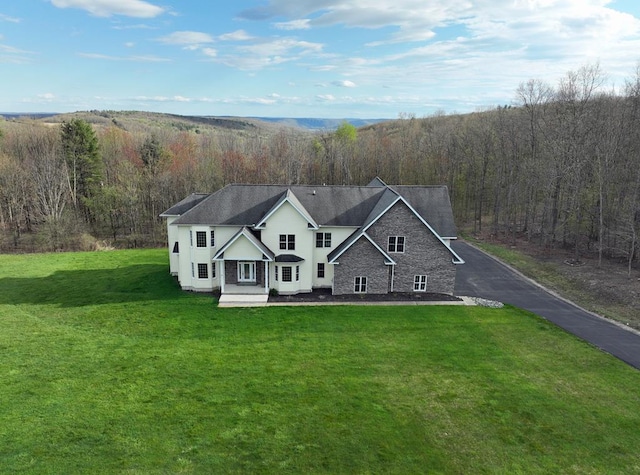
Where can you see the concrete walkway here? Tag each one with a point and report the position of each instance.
(243, 300)
(487, 277)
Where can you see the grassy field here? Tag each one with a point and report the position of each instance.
(107, 367)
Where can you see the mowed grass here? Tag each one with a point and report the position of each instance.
(107, 367)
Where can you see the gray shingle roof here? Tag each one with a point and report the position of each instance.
(185, 205)
(433, 204)
(246, 205)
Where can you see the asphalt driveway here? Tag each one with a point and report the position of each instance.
(484, 276)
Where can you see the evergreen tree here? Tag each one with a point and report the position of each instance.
(82, 155)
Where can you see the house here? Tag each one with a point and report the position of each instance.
(352, 239)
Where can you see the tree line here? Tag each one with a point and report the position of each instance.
(559, 166)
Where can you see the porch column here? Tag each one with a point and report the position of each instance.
(223, 271)
(266, 277)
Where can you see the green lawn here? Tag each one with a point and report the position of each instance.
(107, 367)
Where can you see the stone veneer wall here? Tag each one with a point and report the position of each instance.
(231, 272)
(361, 259)
(424, 254)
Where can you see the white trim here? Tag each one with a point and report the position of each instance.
(252, 239)
(388, 260)
(282, 268)
(324, 240)
(198, 271)
(252, 271)
(287, 199)
(206, 239)
(395, 245)
(417, 280)
(456, 258)
(366, 283)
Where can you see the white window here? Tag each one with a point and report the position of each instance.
(286, 274)
(297, 273)
(360, 285)
(320, 270)
(190, 238)
(193, 272)
(203, 271)
(323, 239)
(201, 239)
(396, 244)
(420, 283)
(213, 270)
(288, 242)
(276, 273)
(213, 238)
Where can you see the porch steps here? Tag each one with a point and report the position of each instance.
(243, 300)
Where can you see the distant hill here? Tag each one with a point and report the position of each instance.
(27, 115)
(310, 123)
(190, 121)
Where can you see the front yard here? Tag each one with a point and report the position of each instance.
(107, 367)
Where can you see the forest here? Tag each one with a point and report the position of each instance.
(559, 166)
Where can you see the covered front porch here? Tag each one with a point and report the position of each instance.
(235, 289)
(244, 277)
(244, 265)
(248, 287)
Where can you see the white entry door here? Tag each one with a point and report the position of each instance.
(246, 271)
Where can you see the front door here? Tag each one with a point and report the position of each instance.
(246, 271)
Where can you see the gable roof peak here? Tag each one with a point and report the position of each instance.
(377, 182)
(289, 196)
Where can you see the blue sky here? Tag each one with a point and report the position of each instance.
(302, 58)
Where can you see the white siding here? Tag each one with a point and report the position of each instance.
(286, 220)
(191, 254)
(320, 253)
(172, 238)
(242, 250)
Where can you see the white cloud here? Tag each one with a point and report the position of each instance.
(12, 55)
(304, 24)
(282, 46)
(139, 26)
(180, 99)
(268, 52)
(9, 19)
(176, 98)
(107, 8)
(129, 44)
(326, 97)
(417, 20)
(140, 59)
(478, 49)
(46, 97)
(187, 38)
(344, 83)
(11, 49)
(239, 35)
(261, 101)
(211, 52)
(191, 41)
